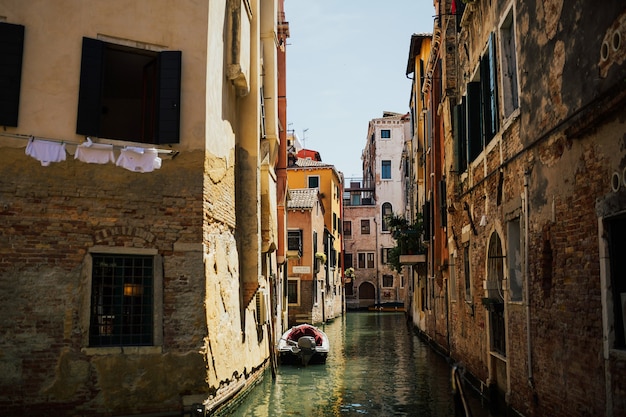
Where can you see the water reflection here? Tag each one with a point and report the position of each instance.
(377, 366)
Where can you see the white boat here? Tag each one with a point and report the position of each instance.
(303, 344)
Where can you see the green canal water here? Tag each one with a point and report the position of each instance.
(377, 366)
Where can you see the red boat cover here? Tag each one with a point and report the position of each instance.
(305, 330)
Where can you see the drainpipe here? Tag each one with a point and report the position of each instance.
(526, 282)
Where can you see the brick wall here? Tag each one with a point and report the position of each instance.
(49, 218)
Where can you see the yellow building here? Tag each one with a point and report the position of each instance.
(305, 257)
(310, 173)
(134, 136)
(415, 152)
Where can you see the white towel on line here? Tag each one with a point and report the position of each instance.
(94, 153)
(139, 159)
(45, 151)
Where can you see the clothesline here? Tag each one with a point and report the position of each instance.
(170, 152)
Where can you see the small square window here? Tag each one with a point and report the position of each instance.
(385, 134)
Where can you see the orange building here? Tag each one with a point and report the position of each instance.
(307, 173)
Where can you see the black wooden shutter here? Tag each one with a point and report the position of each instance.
(460, 137)
(474, 122)
(168, 104)
(90, 92)
(11, 51)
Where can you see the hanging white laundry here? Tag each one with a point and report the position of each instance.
(94, 153)
(45, 151)
(139, 159)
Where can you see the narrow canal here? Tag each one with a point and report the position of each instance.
(377, 366)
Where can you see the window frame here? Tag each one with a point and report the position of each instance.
(384, 255)
(385, 281)
(157, 299)
(386, 211)
(613, 229)
(347, 228)
(348, 261)
(385, 133)
(292, 235)
(291, 282)
(385, 169)
(165, 89)
(467, 272)
(311, 177)
(365, 260)
(508, 64)
(365, 227)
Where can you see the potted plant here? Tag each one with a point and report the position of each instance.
(349, 274)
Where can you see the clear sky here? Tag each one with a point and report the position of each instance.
(346, 65)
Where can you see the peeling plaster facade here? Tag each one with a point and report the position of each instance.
(530, 112)
(204, 222)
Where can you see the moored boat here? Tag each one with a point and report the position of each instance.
(303, 344)
(388, 307)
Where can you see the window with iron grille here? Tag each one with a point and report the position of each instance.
(122, 300)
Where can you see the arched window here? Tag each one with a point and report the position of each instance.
(386, 212)
(495, 299)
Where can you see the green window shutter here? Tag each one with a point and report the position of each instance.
(168, 118)
(11, 51)
(90, 92)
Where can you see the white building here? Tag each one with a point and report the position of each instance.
(383, 181)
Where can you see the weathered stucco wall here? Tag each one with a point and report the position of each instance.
(566, 141)
(207, 344)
